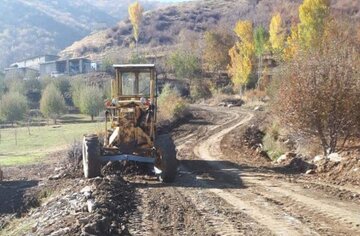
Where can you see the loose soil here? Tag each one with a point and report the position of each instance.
(225, 186)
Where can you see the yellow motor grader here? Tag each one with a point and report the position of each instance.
(130, 126)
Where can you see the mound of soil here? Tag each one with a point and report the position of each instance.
(345, 172)
(97, 206)
(126, 168)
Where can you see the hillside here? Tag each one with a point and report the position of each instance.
(119, 8)
(30, 28)
(168, 27)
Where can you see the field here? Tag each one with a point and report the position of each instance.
(29, 148)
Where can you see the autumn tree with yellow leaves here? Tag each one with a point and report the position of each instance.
(241, 54)
(277, 34)
(312, 15)
(292, 43)
(135, 15)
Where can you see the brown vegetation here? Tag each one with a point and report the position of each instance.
(319, 90)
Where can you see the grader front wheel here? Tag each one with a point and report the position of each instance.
(91, 154)
(166, 158)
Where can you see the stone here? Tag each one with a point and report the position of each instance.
(60, 232)
(55, 177)
(91, 205)
(285, 157)
(318, 158)
(230, 105)
(86, 189)
(309, 172)
(334, 157)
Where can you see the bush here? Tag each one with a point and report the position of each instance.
(171, 104)
(13, 107)
(52, 103)
(200, 90)
(74, 156)
(272, 145)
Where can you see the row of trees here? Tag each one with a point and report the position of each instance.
(52, 97)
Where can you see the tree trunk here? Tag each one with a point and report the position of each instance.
(92, 117)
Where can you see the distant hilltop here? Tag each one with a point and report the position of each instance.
(31, 28)
(165, 29)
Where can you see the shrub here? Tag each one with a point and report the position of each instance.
(13, 107)
(272, 145)
(170, 104)
(200, 90)
(52, 103)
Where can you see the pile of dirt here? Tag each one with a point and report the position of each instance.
(126, 168)
(253, 137)
(347, 171)
(98, 206)
(244, 145)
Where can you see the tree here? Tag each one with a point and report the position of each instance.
(261, 38)
(241, 54)
(13, 107)
(217, 44)
(135, 15)
(64, 86)
(319, 89)
(277, 34)
(33, 92)
(292, 43)
(91, 101)
(52, 103)
(312, 14)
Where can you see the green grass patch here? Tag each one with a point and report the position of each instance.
(29, 148)
(272, 145)
(17, 227)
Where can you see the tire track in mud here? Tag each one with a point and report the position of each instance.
(217, 197)
(277, 220)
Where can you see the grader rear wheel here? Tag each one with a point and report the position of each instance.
(167, 158)
(91, 154)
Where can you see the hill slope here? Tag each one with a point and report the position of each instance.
(30, 28)
(175, 24)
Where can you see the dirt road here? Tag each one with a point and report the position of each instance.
(215, 196)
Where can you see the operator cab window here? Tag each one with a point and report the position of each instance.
(129, 84)
(144, 84)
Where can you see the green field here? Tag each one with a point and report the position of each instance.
(34, 147)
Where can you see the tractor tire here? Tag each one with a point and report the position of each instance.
(91, 155)
(167, 157)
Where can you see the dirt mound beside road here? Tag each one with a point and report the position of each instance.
(345, 172)
(98, 206)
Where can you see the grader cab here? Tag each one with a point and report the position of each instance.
(130, 126)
